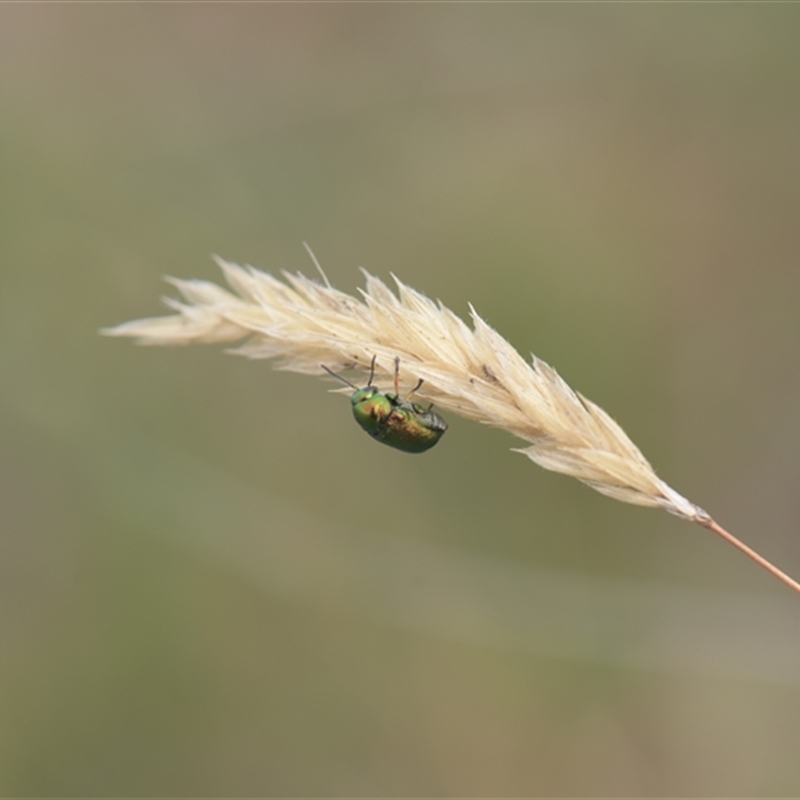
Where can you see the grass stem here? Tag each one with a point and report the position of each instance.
(708, 522)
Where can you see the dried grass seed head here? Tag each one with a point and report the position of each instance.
(473, 372)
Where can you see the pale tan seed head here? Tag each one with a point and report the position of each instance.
(471, 371)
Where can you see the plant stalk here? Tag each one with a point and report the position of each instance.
(708, 522)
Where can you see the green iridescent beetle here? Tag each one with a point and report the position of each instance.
(405, 426)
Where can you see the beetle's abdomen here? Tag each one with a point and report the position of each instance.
(408, 430)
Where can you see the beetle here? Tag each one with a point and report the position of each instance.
(398, 423)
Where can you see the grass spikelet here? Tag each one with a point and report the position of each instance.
(471, 371)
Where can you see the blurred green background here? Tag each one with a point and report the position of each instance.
(212, 582)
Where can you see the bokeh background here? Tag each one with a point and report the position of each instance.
(212, 583)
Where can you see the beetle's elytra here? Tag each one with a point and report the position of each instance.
(398, 423)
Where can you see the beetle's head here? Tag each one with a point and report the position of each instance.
(371, 407)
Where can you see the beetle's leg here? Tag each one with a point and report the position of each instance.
(397, 376)
(397, 381)
(419, 383)
(371, 371)
(382, 426)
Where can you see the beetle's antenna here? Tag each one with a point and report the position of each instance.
(343, 380)
(371, 371)
(316, 264)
